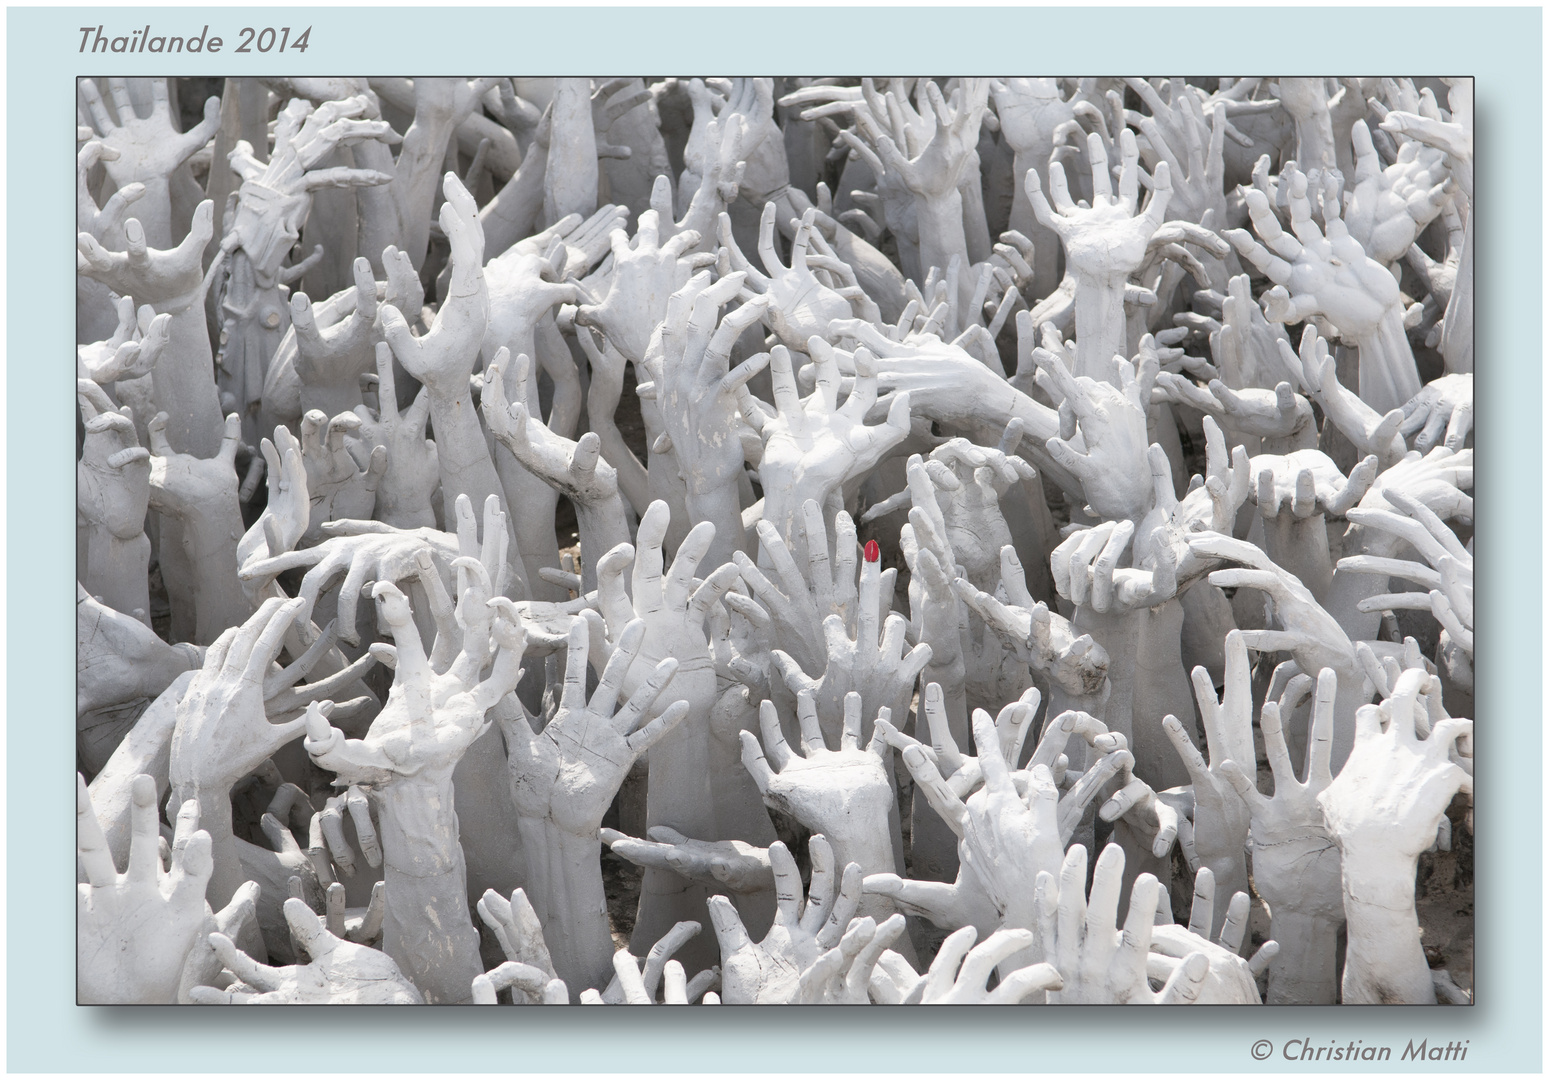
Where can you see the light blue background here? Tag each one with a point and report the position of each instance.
(47, 1032)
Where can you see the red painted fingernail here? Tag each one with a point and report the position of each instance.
(873, 551)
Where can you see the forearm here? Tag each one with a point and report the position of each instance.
(1384, 961)
(1389, 377)
(426, 927)
(512, 213)
(1348, 588)
(378, 225)
(942, 237)
(115, 569)
(678, 794)
(532, 522)
(602, 402)
(1300, 547)
(976, 226)
(603, 526)
(183, 382)
(570, 183)
(210, 537)
(1100, 324)
(1457, 327)
(1046, 245)
(564, 883)
(462, 452)
(855, 839)
(215, 819)
(1159, 687)
(720, 506)
(1304, 971)
(147, 749)
(414, 181)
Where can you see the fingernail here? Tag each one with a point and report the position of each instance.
(873, 551)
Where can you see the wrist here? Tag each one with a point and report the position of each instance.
(1100, 322)
(1377, 881)
(940, 220)
(862, 841)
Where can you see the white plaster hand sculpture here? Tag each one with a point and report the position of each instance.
(405, 489)
(813, 445)
(223, 731)
(371, 551)
(875, 663)
(1455, 138)
(1296, 494)
(444, 358)
(843, 975)
(1191, 139)
(332, 352)
(136, 929)
(563, 779)
(1111, 421)
(1295, 860)
(636, 980)
(1383, 810)
(647, 271)
(272, 205)
(1131, 611)
(1308, 632)
(807, 924)
(1030, 111)
(321, 360)
(729, 865)
(338, 972)
(201, 494)
(1448, 571)
(94, 301)
(1281, 420)
(112, 493)
(131, 351)
(1326, 272)
(1368, 430)
(934, 161)
(528, 970)
(173, 282)
(1442, 413)
(575, 469)
(843, 794)
(697, 394)
(339, 487)
(1098, 963)
(971, 664)
(1076, 664)
(1005, 835)
(1104, 245)
(524, 287)
(1386, 209)
(439, 106)
(1232, 979)
(800, 304)
(792, 613)
(146, 150)
(1220, 816)
(120, 659)
(406, 760)
(960, 971)
(679, 792)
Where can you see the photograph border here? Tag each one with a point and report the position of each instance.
(1502, 47)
